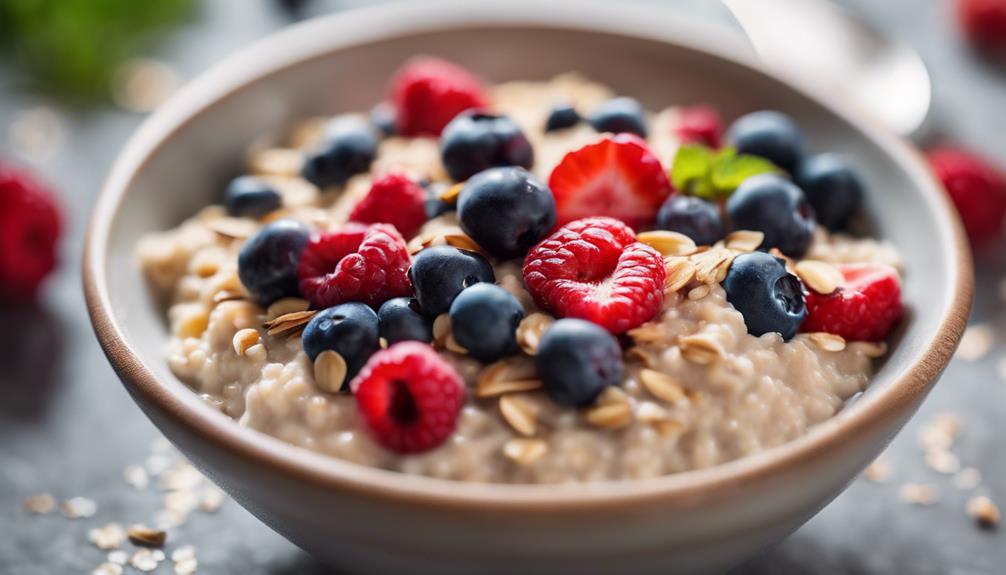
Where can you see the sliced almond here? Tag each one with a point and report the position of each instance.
(525, 451)
(641, 356)
(233, 228)
(450, 195)
(441, 330)
(680, 271)
(818, 276)
(662, 386)
(329, 371)
(612, 410)
(701, 349)
(290, 323)
(708, 263)
(790, 264)
(462, 241)
(294, 316)
(530, 330)
(827, 341)
(284, 162)
(244, 339)
(452, 345)
(287, 305)
(146, 536)
(668, 243)
(519, 413)
(506, 376)
(744, 240)
(699, 292)
(227, 295)
(984, 511)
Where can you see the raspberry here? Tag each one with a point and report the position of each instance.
(429, 92)
(393, 199)
(594, 269)
(357, 262)
(984, 21)
(976, 187)
(616, 176)
(409, 397)
(30, 225)
(864, 309)
(699, 124)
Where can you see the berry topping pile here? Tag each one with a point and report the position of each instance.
(30, 226)
(573, 271)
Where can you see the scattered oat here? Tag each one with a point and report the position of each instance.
(330, 371)
(525, 451)
(119, 557)
(662, 386)
(699, 292)
(142, 84)
(651, 332)
(680, 271)
(700, 348)
(976, 343)
(107, 569)
(233, 228)
(78, 507)
(611, 411)
(156, 464)
(967, 478)
(519, 413)
(146, 560)
(244, 339)
(186, 566)
(827, 341)
(182, 553)
(984, 511)
(879, 471)
(211, 499)
(283, 162)
(918, 493)
(530, 330)
(40, 503)
(744, 240)
(136, 476)
(941, 432)
(183, 476)
(36, 133)
(942, 461)
(668, 243)
(819, 276)
(146, 536)
(110, 536)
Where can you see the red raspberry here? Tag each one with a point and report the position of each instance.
(594, 269)
(865, 308)
(30, 225)
(984, 21)
(355, 263)
(977, 188)
(393, 199)
(616, 176)
(699, 125)
(409, 397)
(429, 92)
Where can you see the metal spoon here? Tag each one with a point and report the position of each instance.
(841, 52)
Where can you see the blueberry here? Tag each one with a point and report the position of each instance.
(561, 116)
(347, 148)
(439, 274)
(776, 207)
(382, 116)
(577, 360)
(694, 217)
(484, 321)
(506, 211)
(434, 205)
(349, 329)
(401, 320)
(620, 115)
(833, 189)
(769, 297)
(251, 197)
(770, 135)
(267, 263)
(474, 141)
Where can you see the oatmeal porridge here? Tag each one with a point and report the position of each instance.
(532, 282)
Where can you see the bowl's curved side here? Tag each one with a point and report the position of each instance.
(699, 518)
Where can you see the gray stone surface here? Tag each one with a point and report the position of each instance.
(67, 426)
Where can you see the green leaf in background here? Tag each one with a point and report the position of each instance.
(72, 48)
(690, 169)
(714, 174)
(728, 171)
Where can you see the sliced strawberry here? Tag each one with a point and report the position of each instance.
(617, 176)
(865, 308)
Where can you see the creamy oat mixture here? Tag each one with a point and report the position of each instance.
(698, 389)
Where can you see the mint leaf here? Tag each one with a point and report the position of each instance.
(728, 171)
(691, 167)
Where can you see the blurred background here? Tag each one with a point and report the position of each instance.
(78, 76)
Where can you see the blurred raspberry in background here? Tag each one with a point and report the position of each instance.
(977, 188)
(30, 225)
(984, 21)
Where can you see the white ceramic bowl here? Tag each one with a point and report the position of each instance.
(379, 521)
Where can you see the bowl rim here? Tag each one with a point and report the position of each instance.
(319, 37)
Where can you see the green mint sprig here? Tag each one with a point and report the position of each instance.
(710, 174)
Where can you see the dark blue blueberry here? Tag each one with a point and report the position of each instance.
(776, 207)
(833, 189)
(561, 116)
(439, 274)
(769, 297)
(620, 115)
(434, 205)
(506, 211)
(694, 217)
(251, 197)
(474, 141)
(401, 320)
(484, 321)
(349, 329)
(382, 116)
(267, 263)
(770, 135)
(577, 360)
(347, 148)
